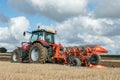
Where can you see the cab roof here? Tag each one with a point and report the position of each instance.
(43, 30)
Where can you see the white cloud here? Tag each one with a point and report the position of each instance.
(11, 36)
(57, 10)
(18, 26)
(108, 8)
(60, 10)
(85, 30)
(76, 25)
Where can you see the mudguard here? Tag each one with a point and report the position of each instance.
(44, 43)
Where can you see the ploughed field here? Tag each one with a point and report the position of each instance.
(106, 61)
(28, 71)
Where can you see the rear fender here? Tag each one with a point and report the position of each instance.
(44, 43)
(99, 50)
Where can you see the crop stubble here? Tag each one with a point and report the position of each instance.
(25, 71)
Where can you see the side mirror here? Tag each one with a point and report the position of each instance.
(24, 33)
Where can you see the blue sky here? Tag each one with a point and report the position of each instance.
(78, 22)
(34, 20)
(9, 12)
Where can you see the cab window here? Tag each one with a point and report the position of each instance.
(50, 37)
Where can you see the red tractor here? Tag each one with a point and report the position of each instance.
(42, 48)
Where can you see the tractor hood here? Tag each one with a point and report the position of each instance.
(25, 46)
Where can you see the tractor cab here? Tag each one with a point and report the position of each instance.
(42, 34)
(46, 35)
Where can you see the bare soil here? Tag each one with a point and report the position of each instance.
(105, 61)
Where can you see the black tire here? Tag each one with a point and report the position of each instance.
(75, 62)
(41, 55)
(15, 57)
(95, 59)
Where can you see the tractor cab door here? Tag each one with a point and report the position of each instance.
(49, 37)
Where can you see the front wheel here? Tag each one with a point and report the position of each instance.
(15, 57)
(95, 59)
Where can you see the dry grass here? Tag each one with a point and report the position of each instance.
(25, 71)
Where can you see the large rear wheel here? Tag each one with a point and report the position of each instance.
(38, 53)
(95, 59)
(15, 57)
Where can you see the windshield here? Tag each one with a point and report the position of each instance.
(36, 36)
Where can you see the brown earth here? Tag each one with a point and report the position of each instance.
(106, 61)
(110, 64)
(5, 57)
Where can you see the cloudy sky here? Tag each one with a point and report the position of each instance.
(78, 22)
